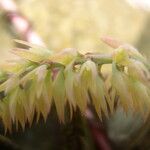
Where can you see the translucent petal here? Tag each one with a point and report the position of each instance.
(95, 85)
(5, 115)
(64, 57)
(9, 84)
(59, 94)
(110, 93)
(81, 94)
(40, 78)
(20, 115)
(15, 67)
(138, 71)
(140, 96)
(34, 48)
(13, 100)
(69, 79)
(24, 101)
(30, 55)
(120, 85)
(48, 87)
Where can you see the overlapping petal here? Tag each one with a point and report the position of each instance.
(30, 85)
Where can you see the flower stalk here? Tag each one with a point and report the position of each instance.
(41, 77)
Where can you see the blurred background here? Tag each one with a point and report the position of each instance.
(79, 24)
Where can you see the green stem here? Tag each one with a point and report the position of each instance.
(99, 59)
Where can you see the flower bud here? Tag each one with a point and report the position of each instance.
(121, 57)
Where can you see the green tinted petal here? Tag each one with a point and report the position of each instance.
(40, 73)
(138, 71)
(59, 94)
(5, 115)
(81, 94)
(140, 95)
(120, 85)
(69, 80)
(65, 56)
(13, 100)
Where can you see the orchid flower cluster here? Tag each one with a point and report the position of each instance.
(39, 78)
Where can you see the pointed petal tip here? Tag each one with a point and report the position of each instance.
(112, 42)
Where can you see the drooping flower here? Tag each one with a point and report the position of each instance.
(28, 86)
